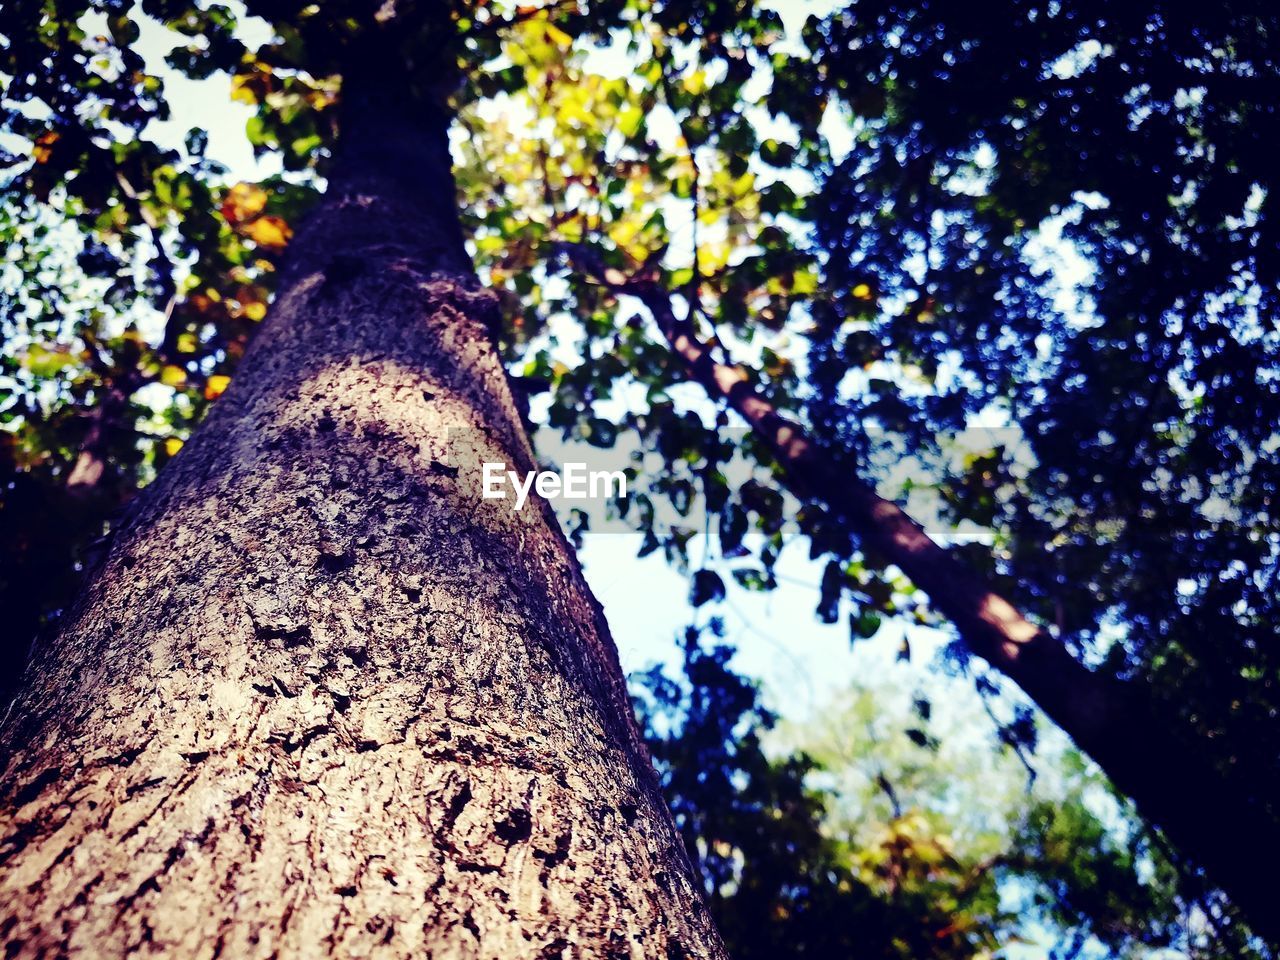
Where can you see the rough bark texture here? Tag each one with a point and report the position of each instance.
(1175, 786)
(322, 700)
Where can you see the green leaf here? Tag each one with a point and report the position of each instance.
(600, 432)
(863, 625)
(707, 587)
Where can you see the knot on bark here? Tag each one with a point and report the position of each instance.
(516, 828)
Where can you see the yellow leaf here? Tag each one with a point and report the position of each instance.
(558, 37)
(538, 43)
(625, 232)
(215, 385)
(255, 311)
(172, 445)
(173, 376)
(320, 99)
(804, 282)
(572, 228)
(242, 88)
(270, 232)
(629, 121)
(862, 292)
(696, 82)
(44, 362)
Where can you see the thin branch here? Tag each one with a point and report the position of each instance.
(165, 272)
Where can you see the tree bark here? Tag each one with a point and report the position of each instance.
(322, 700)
(1214, 819)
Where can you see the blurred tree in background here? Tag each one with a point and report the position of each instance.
(862, 832)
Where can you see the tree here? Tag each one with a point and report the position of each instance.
(757, 283)
(925, 265)
(772, 880)
(1141, 139)
(1020, 846)
(320, 699)
(928, 268)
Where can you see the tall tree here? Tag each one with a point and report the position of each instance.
(1140, 542)
(320, 699)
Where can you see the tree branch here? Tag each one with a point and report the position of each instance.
(1173, 783)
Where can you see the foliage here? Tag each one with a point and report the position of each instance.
(775, 883)
(860, 839)
(136, 275)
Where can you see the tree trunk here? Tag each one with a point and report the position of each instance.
(321, 699)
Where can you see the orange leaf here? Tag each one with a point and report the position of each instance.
(43, 148)
(215, 385)
(270, 232)
(243, 202)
